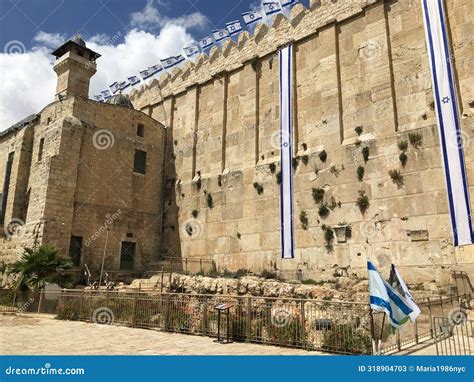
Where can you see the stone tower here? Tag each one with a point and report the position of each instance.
(75, 65)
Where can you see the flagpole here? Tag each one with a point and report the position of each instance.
(372, 331)
(381, 330)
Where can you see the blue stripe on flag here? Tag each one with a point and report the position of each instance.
(384, 304)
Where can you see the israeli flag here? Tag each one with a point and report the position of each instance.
(99, 98)
(234, 27)
(220, 34)
(271, 8)
(123, 85)
(152, 70)
(252, 17)
(145, 74)
(106, 94)
(206, 42)
(191, 50)
(286, 152)
(115, 87)
(384, 298)
(133, 80)
(172, 61)
(288, 3)
(399, 285)
(449, 127)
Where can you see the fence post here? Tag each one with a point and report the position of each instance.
(303, 320)
(134, 313)
(40, 303)
(249, 319)
(416, 332)
(81, 307)
(204, 316)
(200, 266)
(186, 266)
(441, 302)
(399, 345)
(431, 318)
(162, 276)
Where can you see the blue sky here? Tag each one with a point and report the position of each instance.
(131, 35)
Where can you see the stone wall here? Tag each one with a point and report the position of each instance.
(361, 68)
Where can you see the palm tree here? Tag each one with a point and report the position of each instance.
(40, 266)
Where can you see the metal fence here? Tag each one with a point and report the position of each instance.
(422, 330)
(309, 324)
(453, 338)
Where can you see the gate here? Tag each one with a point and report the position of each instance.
(454, 335)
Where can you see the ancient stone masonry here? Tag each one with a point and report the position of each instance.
(367, 170)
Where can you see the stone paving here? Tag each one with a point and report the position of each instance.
(42, 334)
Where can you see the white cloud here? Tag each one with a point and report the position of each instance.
(29, 82)
(150, 18)
(50, 40)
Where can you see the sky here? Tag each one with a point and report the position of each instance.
(129, 34)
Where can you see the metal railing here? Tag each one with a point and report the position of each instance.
(453, 338)
(308, 324)
(421, 330)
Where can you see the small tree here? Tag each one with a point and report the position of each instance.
(40, 266)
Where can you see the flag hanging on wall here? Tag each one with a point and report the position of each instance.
(286, 151)
(448, 121)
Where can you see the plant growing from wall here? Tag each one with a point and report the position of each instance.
(195, 213)
(305, 159)
(402, 145)
(258, 187)
(323, 211)
(416, 139)
(403, 158)
(254, 63)
(359, 130)
(335, 171)
(272, 167)
(332, 203)
(305, 146)
(219, 180)
(209, 200)
(365, 154)
(323, 156)
(328, 237)
(278, 177)
(239, 235)
(360, 173)
(318, 194)
(304, 220)
(397, 178)
(363, 202)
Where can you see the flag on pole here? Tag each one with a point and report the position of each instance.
(234, 27)
(133, 80)
(271, 7)
(220, 34)
(386, 299)
(152, 70)
(252, 17)
(286, 152)
(123, 85)
(106, 94)
(115, 87)
(399, 285)
(206, 42)
(145, 74)
(99, 98)
(172, 61)
(288, 3)
(449, 127)
(191, 50)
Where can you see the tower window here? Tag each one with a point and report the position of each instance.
(40, 149)
(139, 163)
(141, 130)
(75, 250)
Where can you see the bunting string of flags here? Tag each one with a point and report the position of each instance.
(231, 29)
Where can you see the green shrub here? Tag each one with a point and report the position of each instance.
(342, 338)
(397, 178)
(402, 145)
(403, 158)
(416, 139)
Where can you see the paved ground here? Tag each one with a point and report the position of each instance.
(42, 334)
